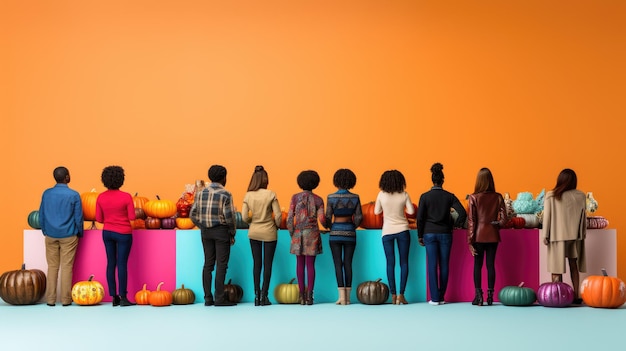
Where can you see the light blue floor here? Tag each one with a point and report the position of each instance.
(325, 326)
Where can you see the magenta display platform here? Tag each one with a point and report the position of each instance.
(175, 257)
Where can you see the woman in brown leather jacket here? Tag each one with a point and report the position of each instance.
(486, 213)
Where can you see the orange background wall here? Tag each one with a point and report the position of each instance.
(167, 88)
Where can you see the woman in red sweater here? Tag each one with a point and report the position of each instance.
(115, 209)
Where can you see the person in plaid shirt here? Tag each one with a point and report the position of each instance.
(214, 213)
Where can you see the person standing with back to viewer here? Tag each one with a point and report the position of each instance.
(259, 206)
(434, 230)
(345, 207)
(306, 210)
(61, 220)
(486, 214)
(393, 201)
(116, 210)
(213, 212)
(565, 229)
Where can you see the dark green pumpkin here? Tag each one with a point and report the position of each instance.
(517, 295)
(239, 222)
(33, 220)
(372, 292)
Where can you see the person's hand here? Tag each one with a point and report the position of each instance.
(546, 241)
(472, 250)
(496, 223)
(420, 241)
(232, 240)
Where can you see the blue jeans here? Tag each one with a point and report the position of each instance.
(117, 247)
(404, 242)
(438, 247)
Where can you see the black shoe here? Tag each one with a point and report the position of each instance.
(124, 302)
(302, 298)
(257, 298)
(309, 298)
(209, 303)
(116, 301)
(51, 304)
(67, 304)
(489, 297)
(577, 301)
(225, 303)
(478, 298)
(265, 301)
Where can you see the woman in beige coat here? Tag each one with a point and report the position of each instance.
(565, 228)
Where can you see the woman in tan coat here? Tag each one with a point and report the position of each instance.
(565, 228)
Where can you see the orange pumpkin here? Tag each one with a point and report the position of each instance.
(142, 297)
(152, 223)
(371, 220)
(139, 201)
(138, 223)
(160, 208)
(184, 223)
(603, 291)
(87, 293)
(160, 297)
(89, 206)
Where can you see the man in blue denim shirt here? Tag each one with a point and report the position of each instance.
(61, 219)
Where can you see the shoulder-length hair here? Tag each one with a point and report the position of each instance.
(259, 179)
(566, 180)
(484, 181)
(392, 181)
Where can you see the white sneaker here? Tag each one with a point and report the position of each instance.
(434, 303)
(442, 302)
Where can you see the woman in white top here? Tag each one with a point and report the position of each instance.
(261, 210)
(392, 201)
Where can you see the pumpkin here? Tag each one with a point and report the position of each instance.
(142, 297)
(288, 293)
(183, 296)
(515, 222)
(159, 208)
(23, 286)
(184, 223)
(87, 293)
(139, 201)
(530, 220)
(555, 294)
(138, 223)
(594, 222)
(603, 291)
(140, 213)
(283, 219)
(152, 223)
(233, 292)
(517, 295)
(33, 220)
(372, 292)
(160, 297)
(239, 222)
(412, 218)
(88, 201)
(168, 223)
(371, 220)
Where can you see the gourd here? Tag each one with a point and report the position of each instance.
(555, 294)
(33, 220)
(152, 223)
(233, 292)
(168, 223)
(516, 222)
(23, 286)
(139, 202)
(239, 222)
(88, 201)
(142, 297)
(288, 293)
(371, 220)
(160, 297)
(372, 292)
(88, 292)
(184, 223)
(183, 296)
(603, 291)
(159, 208)
(517, 295)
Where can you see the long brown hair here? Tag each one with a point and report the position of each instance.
(484, 181)
(259, 179)
(566, 180)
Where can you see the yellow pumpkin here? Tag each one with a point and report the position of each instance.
(160, 208)
(184, 223)
(87, 293)
(287, 293)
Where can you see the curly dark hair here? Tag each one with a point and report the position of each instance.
(113, 177)
(308, 180)
(217, 173)
(344, 179)
(392, 181)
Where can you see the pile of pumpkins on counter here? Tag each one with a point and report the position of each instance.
(523, 212)
(28, 286)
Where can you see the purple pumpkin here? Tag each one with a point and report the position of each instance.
(168, 223)
(555, 294)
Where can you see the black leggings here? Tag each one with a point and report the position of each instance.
(263, 257)
(343, 262)
(482, 249)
